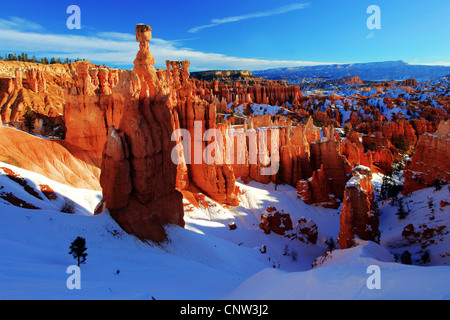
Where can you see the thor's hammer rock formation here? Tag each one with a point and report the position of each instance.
(138, 176)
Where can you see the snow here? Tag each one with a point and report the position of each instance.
(262, 109)
(346, 283)
(419, 215)
(205, 260)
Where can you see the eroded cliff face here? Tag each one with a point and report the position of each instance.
(91, 107)
(430, 163)
(38, 87)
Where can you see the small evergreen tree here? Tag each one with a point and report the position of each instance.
(385, 185)
(405, 258)
(430, 203)
(401, 212)
(69, 206)
(372, 146)
(29, 117)
(425, 257)
(402, 144)
(77, 249)
(437, 185)
(330, 244)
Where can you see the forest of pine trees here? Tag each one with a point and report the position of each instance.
(23, 57)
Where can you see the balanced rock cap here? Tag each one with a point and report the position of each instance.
(143, 33)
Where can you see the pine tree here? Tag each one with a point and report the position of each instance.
(330, 244)
(385, 187)
(29, 117)
(401, 212)
(77, 249)
(406, 258)
(425, 257)
(437, 185)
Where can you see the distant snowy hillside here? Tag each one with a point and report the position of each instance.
(373, 71)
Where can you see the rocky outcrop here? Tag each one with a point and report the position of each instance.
(358, 216)
(280, 223)
(382, 151)
(307, 230)
(274, 221)
(92, 105)
(354, 151)
(423, 235)
(204, 167)
(410, 82)
(429, 164)
(331, 169)
(84, 115)
(35, 81)
(32, 85)
(350, 80)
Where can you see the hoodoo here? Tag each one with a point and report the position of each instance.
(138, 176)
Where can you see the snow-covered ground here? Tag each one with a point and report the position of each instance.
(206, 260)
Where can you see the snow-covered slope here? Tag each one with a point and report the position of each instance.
(206, 260)
(429, 215)
(345, 282)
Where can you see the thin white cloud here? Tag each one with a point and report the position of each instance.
(441, 63)
(117, 36)
(370, 35)
(261, 14)
(120, 49)
(16, 23)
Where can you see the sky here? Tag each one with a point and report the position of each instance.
(233, 34)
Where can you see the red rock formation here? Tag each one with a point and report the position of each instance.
(331, 168)
(358, 217)
(383, 153)
(36, 81)
(353, 149)
(138, 176)
(304, 191)
(307, 230)
(16, 94)
(430, 161)
(92, 105)
(423, 235)
(273, 220)
(397, 131)
(54, 159)
(352, 80)
(410, 82)
(84, 115)
(213, 176)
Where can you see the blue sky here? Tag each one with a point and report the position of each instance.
(244, 34)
